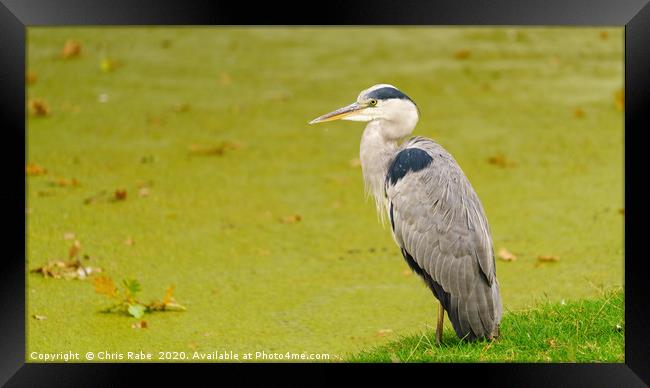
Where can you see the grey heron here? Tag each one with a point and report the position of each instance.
(436, 218)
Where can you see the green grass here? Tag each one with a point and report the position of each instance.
(589, 330)
(211, 224)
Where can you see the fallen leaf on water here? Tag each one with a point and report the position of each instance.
(505, 255)
(218, 150)
(383, 332)
(225, 79)
(500, 160)
(291, 219)
(104, 285)
(30, 78)
(74, 249)
(603, 35)
(181, 108)
(33, 169)
(72, 269)
(356, 162)
(143, 192)
(462, 54)
(63, 182)
(38, 108)
(140, 325)
(71, 49)
(579, 113)
(39, 317)
(548, 258)
(120, 195)
(619, 100)
(95, 198)
(107, 64)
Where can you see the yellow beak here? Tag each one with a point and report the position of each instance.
(339, 113)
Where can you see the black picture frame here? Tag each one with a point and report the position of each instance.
(17, 15)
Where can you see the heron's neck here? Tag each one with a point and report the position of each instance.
(376, 153)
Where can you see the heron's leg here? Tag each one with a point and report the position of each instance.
(441, 319)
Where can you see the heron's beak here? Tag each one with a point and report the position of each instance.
(339, 113)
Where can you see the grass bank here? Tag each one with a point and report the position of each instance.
(588, 330)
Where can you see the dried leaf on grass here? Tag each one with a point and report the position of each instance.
(506, 255)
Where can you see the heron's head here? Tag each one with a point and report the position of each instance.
(381, 102)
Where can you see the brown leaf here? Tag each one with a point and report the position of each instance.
(383, 332)
(225, 79)
(181, 108)
(500, 160)
(38, 108)
(74, 249)
(143, 192)
(218, 150)
(356, 162)
(94, 198)
(104, 285)
(30, 78)
(619, 100)
(548, 258)
(33, 169)
(462, 54)
(72, 269)
(120, 195)
(71, 49)
(169, 295)
(505, 255)
(291, 219)
(140, 325)
(63, 182)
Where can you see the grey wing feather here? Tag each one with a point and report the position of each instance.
(439, 221)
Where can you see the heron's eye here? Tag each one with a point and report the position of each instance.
(372, 102)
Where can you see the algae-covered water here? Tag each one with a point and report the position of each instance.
(260, 221)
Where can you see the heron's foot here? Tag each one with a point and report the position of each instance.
(439, 326)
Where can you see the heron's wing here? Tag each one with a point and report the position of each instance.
(439, 223)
